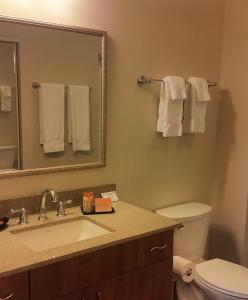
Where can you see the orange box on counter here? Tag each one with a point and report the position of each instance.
(103, 204)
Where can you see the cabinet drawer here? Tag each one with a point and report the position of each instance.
(16, 285)
(162, 279)
(154, 248)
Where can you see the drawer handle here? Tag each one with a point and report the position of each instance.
(99, 296)
(8, 297)
(159, 248)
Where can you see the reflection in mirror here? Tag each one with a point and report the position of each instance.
(52, 82)
(9, 124)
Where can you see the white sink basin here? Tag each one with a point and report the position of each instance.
(47, 236)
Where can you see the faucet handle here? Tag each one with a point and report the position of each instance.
(61, 208)
(23, 218)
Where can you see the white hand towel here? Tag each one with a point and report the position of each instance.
(52, 119)
(195, 107)
(79, 117)
(5, 91)
(6, 99)
(173, 92)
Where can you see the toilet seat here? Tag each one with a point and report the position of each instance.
(222, 276)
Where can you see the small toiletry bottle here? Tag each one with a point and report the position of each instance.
(91, 201)
(88, 199)
(86, 207)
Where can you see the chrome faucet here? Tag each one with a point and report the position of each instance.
(42, 215)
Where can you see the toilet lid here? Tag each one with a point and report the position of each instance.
(187, 211)
(226, 277)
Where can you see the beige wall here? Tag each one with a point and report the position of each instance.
(157, 38)
(230, 231)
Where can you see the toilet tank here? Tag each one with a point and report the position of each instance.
(7, 157)
(190, 241)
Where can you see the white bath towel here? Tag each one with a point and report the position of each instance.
(79, 117)
(195, 106)
(173, 92)
(6, 98)
(52, 116)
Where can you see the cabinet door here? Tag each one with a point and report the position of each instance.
(15, 285)
(163, 280)
(107, 263)
(55, 280)
(136, 285)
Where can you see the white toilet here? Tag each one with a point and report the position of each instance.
(7, 158)
(215, 279)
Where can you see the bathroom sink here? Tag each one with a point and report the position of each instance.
(48, 236)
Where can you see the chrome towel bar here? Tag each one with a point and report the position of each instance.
(142, 80)
(37, 85)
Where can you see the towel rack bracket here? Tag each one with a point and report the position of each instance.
(143, 80)
(35, 85)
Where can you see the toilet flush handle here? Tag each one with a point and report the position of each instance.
(181, 227)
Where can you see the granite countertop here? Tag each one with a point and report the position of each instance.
(127, 223)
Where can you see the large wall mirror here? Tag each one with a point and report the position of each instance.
(52, 97)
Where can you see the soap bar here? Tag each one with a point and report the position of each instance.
(103, 201)
(103, 204)
(103, 208)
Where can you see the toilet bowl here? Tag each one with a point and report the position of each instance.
(214, 279)
(222, 280)
(189, 291)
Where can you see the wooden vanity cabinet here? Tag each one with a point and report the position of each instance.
(135, 270)
(15, 285)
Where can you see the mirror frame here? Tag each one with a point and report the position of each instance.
(75, 29)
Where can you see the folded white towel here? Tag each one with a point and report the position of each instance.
(52, 119)
(195, 106)
(79, 117)
(5, 90)
(6, 99)
(173, 92)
